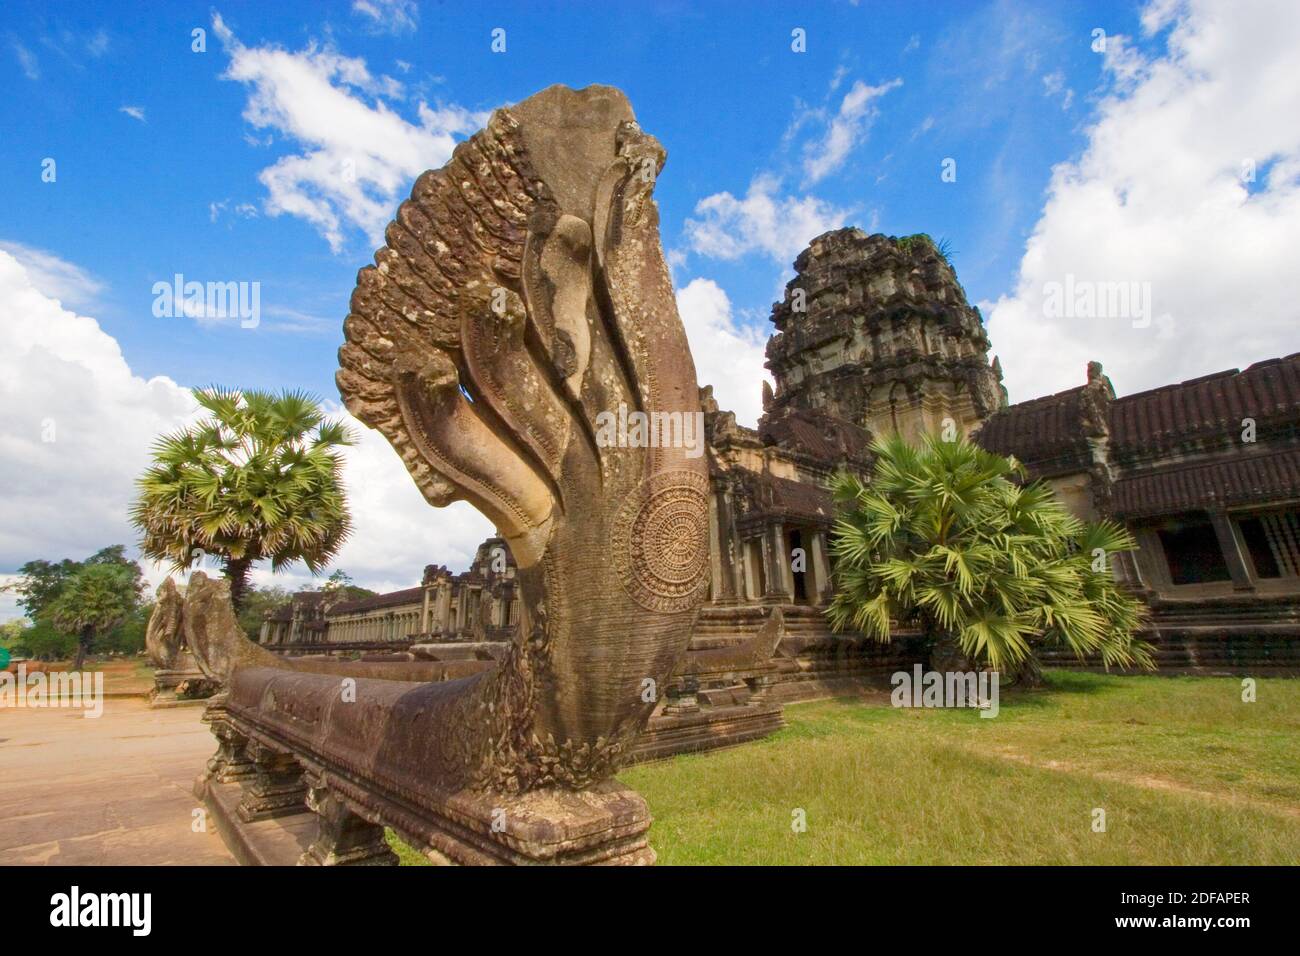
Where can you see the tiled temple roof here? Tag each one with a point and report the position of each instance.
(1048, 433)
(377, 601)
(818, 435)
(1212, 405)
(1040, 430)
(1242, 479)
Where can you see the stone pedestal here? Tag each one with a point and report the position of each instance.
(275, 788)
(165, 688)
(342, 838)
(231, 763)
(606, 825)
(181, 684)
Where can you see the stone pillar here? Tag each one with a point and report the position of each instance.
(822, 569)
(424, 611)
(342, 837)
(442, 616)
(275, 788)
(749, 584)
(784, 580)
(769, 572)
(735, 549)
(1233, 552)
(716, 590)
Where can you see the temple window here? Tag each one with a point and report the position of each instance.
(1192, 551)
(1273, 541)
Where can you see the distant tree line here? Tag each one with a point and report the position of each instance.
(75, 607)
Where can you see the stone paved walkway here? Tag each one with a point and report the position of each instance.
(115, 790)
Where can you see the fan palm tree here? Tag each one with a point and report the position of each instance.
(259, 478)
(942, 537)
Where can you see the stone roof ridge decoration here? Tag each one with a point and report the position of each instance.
(435, 572)
(493, 560)
(720, 425)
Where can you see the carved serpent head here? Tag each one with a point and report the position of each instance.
(518, 343)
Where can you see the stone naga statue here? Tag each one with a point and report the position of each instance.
(521, 298)
(522, 292)
(176, 672)
(164, 636)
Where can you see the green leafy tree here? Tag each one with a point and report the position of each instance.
(943, 538)
(127, 637)
(339, 585)
(10, 634)
(41, 583)
(93, 602)
(258, 602)
(45, 642)
(259, 478)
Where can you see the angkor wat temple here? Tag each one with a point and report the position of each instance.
(875, 335)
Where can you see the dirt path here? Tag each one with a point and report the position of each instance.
(1137, 780)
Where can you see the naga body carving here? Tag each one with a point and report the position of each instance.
(521, 293)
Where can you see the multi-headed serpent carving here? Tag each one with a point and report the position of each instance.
(522, 291)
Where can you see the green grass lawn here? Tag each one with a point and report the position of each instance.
(1186, 773)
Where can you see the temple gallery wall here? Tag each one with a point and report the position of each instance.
(1206, 473)
(643, 600)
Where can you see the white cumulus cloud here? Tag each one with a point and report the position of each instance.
(77, 426)
(358, 155)
(389, 16)
(729, 356)
(763, 220)
(71, 285)
(846, 129)
(77, 432)
(1189, 182)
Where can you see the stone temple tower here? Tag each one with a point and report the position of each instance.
(877, 331)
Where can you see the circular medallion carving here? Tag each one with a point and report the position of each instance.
(661, 541)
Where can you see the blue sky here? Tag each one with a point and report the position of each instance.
(228, 165)
(132, 202)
